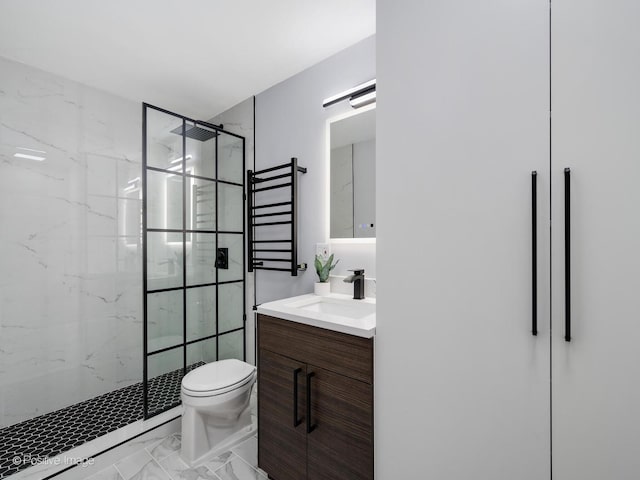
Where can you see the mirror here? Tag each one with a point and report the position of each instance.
(352, 175)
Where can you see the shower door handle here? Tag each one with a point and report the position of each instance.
(296, 421)
(310, 428)
(567, 254)
(534, 254)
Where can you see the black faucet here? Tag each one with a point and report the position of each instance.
(358, 283)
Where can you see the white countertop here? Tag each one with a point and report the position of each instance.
(358, 318)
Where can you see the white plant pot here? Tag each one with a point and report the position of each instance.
(322, 289)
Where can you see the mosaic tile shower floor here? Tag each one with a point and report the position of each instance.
(57, 432)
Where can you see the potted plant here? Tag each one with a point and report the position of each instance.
(323, 269)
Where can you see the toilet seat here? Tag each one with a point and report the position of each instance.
(217, 378)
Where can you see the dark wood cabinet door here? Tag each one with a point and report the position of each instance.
(340, 447)
(282, 447)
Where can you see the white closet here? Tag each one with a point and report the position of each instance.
(596, 133)
(463, 388)
(463, 120)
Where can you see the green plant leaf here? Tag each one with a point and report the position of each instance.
(323, 270)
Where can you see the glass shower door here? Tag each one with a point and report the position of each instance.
(193, 230)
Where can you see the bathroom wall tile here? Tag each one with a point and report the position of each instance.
(341, 208)
(70, 300)
(230, 206)
(248, 451)
(238, 469)
(236, 257)
(179, 470)
(239, 120)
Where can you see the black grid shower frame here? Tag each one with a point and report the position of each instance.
(184, 231)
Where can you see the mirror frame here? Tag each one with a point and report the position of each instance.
(331, 120)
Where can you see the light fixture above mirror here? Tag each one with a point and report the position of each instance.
(359, 96)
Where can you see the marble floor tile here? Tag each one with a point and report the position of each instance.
(141, 466)
(248, 451)
(238, 469)
(109, 473)
(179, 470)
(219, 461)
(151, 471)
(164, 449)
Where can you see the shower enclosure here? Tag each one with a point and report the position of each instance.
(193, 250)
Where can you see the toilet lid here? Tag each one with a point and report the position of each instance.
(217, 375)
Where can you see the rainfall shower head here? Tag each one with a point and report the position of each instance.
(196, 133)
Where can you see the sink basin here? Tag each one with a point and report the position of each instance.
(345, 308)
(337, 312)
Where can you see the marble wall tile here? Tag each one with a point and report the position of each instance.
(70, 293)
(239, 120)
(341, 196)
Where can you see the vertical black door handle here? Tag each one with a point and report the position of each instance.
(310, 428)
(296, 420)
(567, 254)
(534, 254)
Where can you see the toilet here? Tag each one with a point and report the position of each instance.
(216, 413)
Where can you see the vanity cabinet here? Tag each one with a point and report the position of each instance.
(315, 402)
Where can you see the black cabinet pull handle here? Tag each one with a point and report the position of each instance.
(296, 421)
(310, 428)
(534, 253)
(567, 254)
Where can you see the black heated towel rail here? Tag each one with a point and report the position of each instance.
(271, 253)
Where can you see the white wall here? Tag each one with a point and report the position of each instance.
(71, 284)
(291, 122)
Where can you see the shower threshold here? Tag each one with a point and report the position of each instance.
(37, 443)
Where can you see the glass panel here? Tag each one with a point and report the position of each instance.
(164, 262)
(234, 243)
(230, 158)
(164, 147)
(129, 203)
(164, 320)
(201, 258)
(201, 151)
(231, 345)
(201, 352)
(201, 312)
(203, 204)
(164, 373)
(230, 208)
(164, 200)
(231, 306)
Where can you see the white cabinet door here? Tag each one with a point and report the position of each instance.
(595, 133)
(462, 386)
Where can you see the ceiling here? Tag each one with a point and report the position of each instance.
(195, 57)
